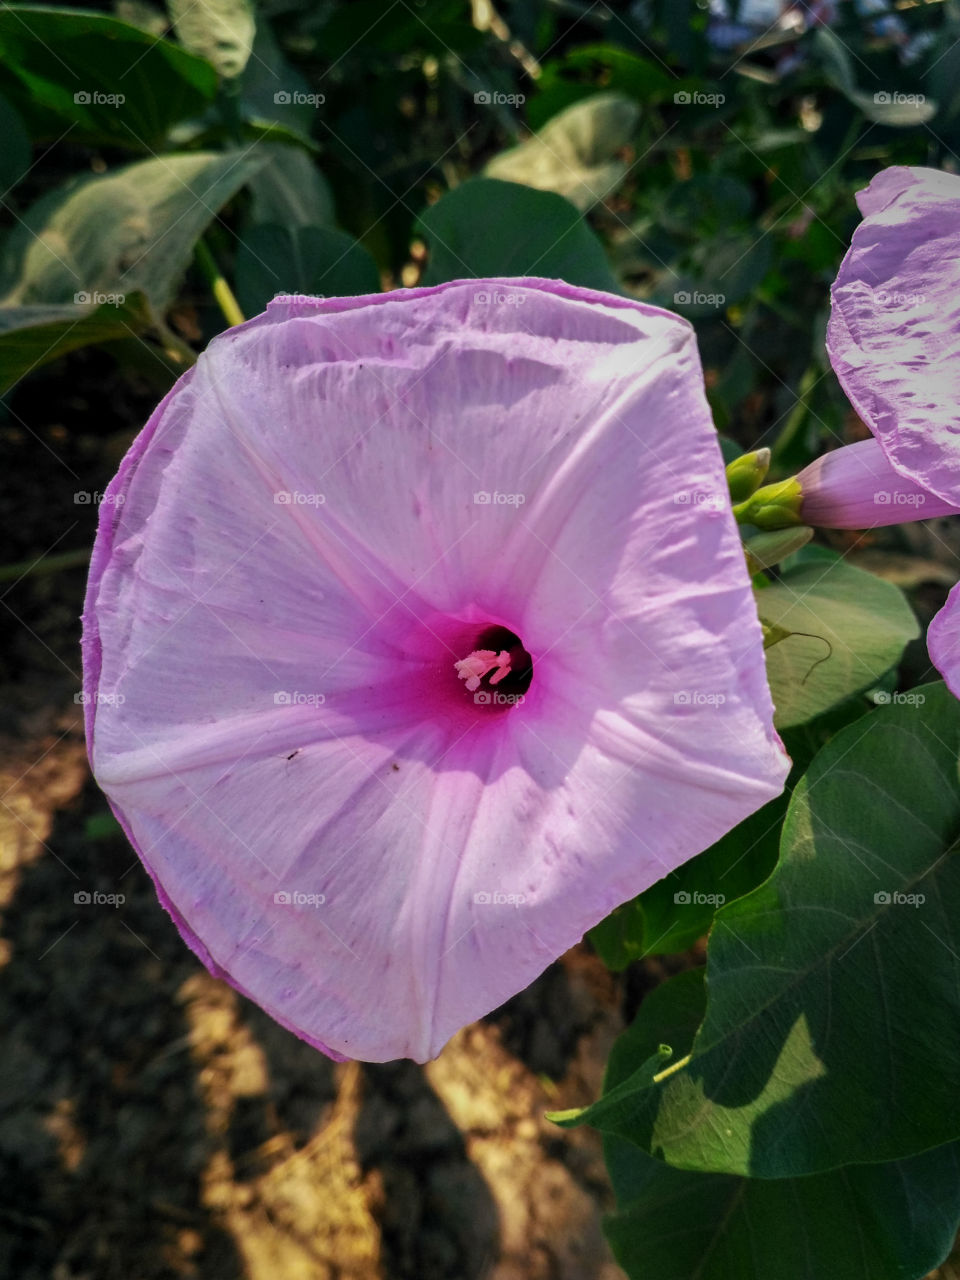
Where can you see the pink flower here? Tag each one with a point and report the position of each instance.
(855, 487)
(894, 342)
(412, 648)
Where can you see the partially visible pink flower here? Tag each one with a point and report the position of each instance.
(855, 487)
(894, 342)
(412, 647)
(894, 332)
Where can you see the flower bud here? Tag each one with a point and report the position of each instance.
(775, 506)
(747, 473)
(855, 487)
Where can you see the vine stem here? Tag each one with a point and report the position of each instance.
(46, 564)
(222, 292)
(674, 1066)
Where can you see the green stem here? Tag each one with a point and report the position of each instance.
(218, 285)
(675, 1066)
(46, 564)
(176, 352)
(798, 414)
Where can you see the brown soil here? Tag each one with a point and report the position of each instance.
(154, 1124)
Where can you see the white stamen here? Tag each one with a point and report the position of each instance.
(479, 663)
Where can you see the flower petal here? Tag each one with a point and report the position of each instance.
(895, 322)
(943, 641)
(273, 706)
(855, 487)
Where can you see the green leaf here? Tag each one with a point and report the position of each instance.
(619, 939)
(680, 908)
(15, 152)
(289, 189)
(943, 76)
(847, 628)
(686, 32)
(491, 228)
(133, 229)
(832, 1030)
(767, 548)
(102, 826)
(577, 153)
(706, 203)
(221, 31)
(271, 89)
(576, 75)
(730, 450)
(717, 271)
(371, 32)
(32, 336)
(858, 1223)
(317, 261)
(102, 80)
(884, 106)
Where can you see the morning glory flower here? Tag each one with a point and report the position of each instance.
(418, 637)
(894, 343)
(856, 487)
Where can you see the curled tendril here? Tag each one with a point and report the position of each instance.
(810, 636)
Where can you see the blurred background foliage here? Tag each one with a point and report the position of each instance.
(698, 157)
(167, 169)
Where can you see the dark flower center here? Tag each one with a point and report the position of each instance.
(498, 671)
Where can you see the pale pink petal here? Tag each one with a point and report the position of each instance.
(943, 641)
(895, 323)
(445, 851)
(855, 487)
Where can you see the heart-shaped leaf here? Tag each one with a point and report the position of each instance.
(490, 228)
(32, 336)
(846, 628)
(811, 1053)
(101, 80)
(130, 230)
(317, 261)
(856, 1223)
(577, 153)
